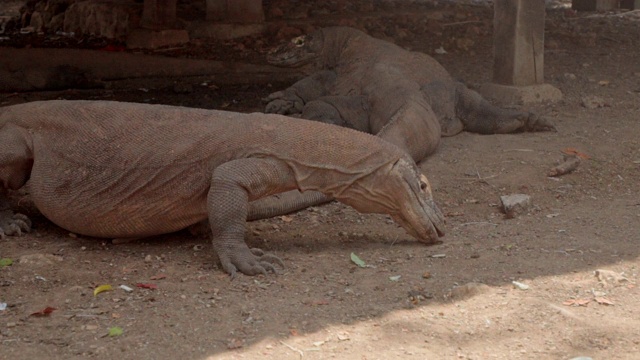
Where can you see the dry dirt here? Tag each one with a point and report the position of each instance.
(455, 300)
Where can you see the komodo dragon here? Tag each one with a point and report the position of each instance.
(113, 169)
(375, 86)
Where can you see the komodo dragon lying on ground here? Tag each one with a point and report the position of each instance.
(111, 169)
(374, 86)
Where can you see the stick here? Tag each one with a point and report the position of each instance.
(292, 348)
(570, 163)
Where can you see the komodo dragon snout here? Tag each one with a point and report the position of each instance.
(402, 192)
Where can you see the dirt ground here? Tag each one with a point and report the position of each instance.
(455, 300)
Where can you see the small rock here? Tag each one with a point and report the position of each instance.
(520, 285)
(468, 290)
(608, 277)
(516, 204)
(593, 102)
(570, 76)
(148, 259)
(426, 275)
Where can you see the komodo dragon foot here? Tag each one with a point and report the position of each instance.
(249, 261)
(13, 224)
(538, 123)
(525, 121)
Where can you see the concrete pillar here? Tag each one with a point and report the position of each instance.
(158, 14)
(235, 11)
(518, 42)
(518, 47)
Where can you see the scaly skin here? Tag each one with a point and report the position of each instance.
(124, 170)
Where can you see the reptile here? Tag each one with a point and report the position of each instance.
(368, 84)
(126, 170)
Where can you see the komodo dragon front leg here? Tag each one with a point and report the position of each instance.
(292, 99)
(234, 184)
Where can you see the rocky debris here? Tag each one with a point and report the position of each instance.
(516, 204)
(467, 290)
(40, 259)
(593, 102)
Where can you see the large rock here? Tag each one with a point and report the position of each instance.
(10, 12)
(107, 19)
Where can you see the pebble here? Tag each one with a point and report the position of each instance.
(516, 204)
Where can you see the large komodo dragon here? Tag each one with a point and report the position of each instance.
(374, 86)
(111, 169)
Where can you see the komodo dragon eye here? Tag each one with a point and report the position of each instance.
(298, 41)
(423, 185)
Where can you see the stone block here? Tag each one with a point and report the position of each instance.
(516, 204)
(594, 5)
(520, 95)
(153, 39)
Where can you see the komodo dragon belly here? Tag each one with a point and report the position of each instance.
(107, 202)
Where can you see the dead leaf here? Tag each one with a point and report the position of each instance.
(147, 286)
(158, 277)
(603, 301)
(577, 302)
(574, 151)
(293, 332)
(44, 312)
(286, 218)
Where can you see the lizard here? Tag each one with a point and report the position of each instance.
(127, 170)
(375, 86)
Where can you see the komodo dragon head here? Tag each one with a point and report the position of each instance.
(323, 48)
(402, 192)
(300, 51)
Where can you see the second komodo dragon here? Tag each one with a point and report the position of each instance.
(375, 86)
(112, 169)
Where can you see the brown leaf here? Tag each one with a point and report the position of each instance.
(158, 277)
(44, 312)
(574, 151)
(286, 218)
(147, 286)
(577, 302)
(603, 301)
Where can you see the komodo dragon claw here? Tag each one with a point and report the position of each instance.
(13, 224)
(253, 262)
